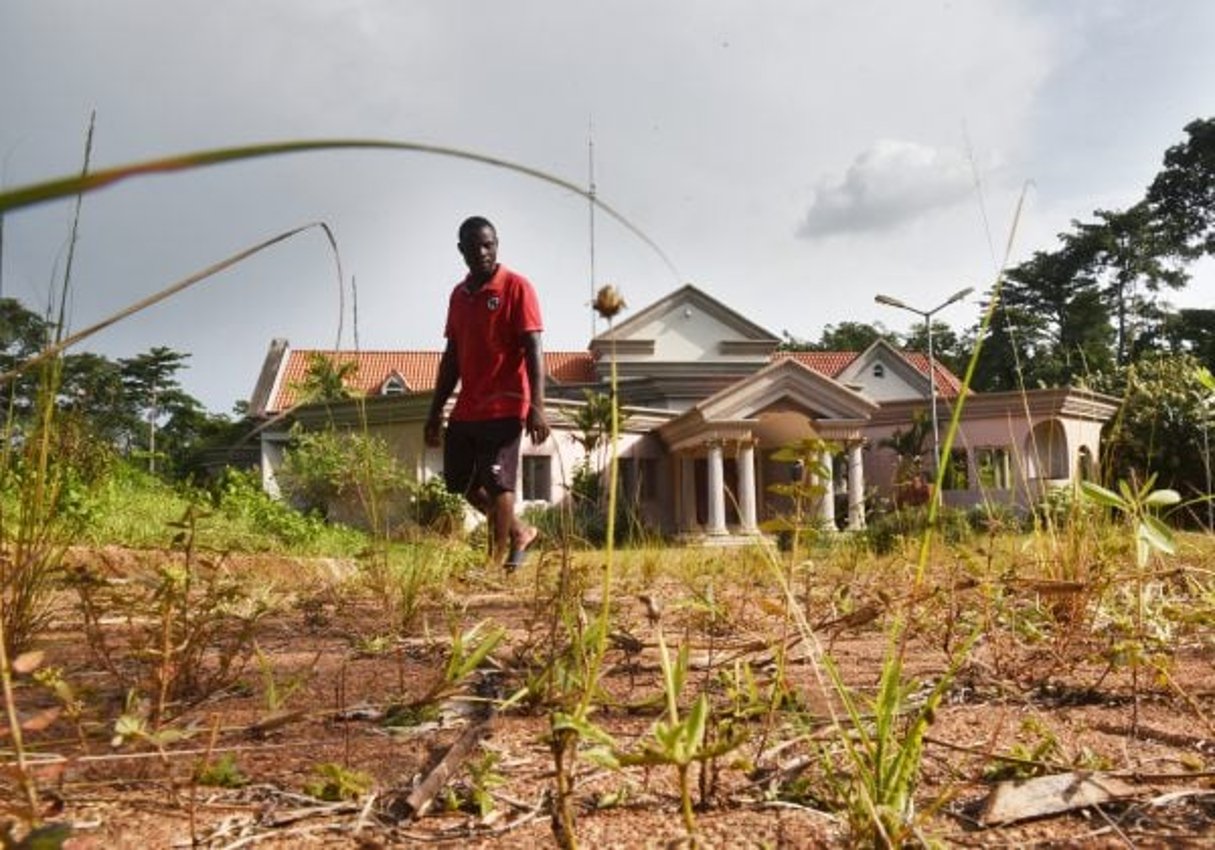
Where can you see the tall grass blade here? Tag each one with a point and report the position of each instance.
(37, 193)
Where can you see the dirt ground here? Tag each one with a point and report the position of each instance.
(1036, 702)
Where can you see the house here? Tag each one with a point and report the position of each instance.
(706, 400)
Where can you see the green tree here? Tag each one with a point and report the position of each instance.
(846, 336)
(154, 393)
(1190, 331)
(326, 379)
(22, 335)
(1159, 427)
(1182, 196)
(1131, 258)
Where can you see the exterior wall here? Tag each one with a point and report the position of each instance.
(1043, 454)
(892, 385)
(686, 334)
(406, 442)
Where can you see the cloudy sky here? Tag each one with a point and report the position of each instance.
(792, 158)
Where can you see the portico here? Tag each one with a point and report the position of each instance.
(723, 451)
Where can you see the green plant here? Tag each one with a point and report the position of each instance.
(224, 772)
(1027, 760)
(407, 578)
(884, 743)
(200, 635)
(276, 692)
(678, 741)
(437, 509)
(335, 783)
(340, 473)
(483, 777)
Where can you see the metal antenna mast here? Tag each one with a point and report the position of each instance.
(590, 149)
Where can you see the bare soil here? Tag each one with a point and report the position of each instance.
(1054, 704)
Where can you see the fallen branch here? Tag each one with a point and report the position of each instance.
(423, 795)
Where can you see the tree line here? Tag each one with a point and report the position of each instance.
(134, 405)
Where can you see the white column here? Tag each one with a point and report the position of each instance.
(717, 491)
(826, 507)
(856, 487)
(746, 486)
(687, 493)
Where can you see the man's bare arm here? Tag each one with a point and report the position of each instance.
(445, 385)
(533, 358)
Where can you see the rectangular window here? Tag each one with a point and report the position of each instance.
(537, 478)
(957, 472)
(995, 467)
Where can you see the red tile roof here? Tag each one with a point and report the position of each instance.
(570, 367)
(948, 384)
(829, 363)
(417, 368)
(832, 363)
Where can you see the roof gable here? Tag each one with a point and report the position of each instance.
(792, 380)
(786, 387)
(686, 326)
(886, 373)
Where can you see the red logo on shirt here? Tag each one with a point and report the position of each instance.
(492, 302)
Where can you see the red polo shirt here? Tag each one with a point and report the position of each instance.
(487, 327)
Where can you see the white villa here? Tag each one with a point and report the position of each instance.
(707, 399)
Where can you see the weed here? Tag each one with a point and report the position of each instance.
(277, 692)
(222, 773)
(202, 633)
(335, 783)
(483, 777)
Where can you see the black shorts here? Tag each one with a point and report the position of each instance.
(482, 454)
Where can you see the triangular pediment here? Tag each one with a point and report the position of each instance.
(884, 374)
(784, 387)
(687, 326)
(788, 381)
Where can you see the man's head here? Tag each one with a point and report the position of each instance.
(479, 246)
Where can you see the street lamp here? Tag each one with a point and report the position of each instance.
(932, 369)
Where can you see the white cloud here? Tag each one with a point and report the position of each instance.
(888, 184)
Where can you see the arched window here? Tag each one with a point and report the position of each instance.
(879, 371)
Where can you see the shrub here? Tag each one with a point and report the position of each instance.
(437, 509)
(346, 473)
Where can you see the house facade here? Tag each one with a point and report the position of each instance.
(707, 402)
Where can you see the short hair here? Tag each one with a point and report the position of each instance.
(474, 223)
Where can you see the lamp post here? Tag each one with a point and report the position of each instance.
(932, 368)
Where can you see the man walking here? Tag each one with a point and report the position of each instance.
(494, 352)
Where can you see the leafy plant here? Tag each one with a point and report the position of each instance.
(339, 473)
(335, 783)
(224, 772)
(200, 636)
(678, 741)
(276, 692)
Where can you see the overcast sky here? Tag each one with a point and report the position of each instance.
(792, 158)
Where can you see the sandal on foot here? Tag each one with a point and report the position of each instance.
(518, 550)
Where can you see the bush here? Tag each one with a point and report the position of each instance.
(346, 472)
(437, 509)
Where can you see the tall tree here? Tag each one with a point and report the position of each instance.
(326, 379)
(1182, 196)
(22, 335)
(151, 385)
(1131, 258)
